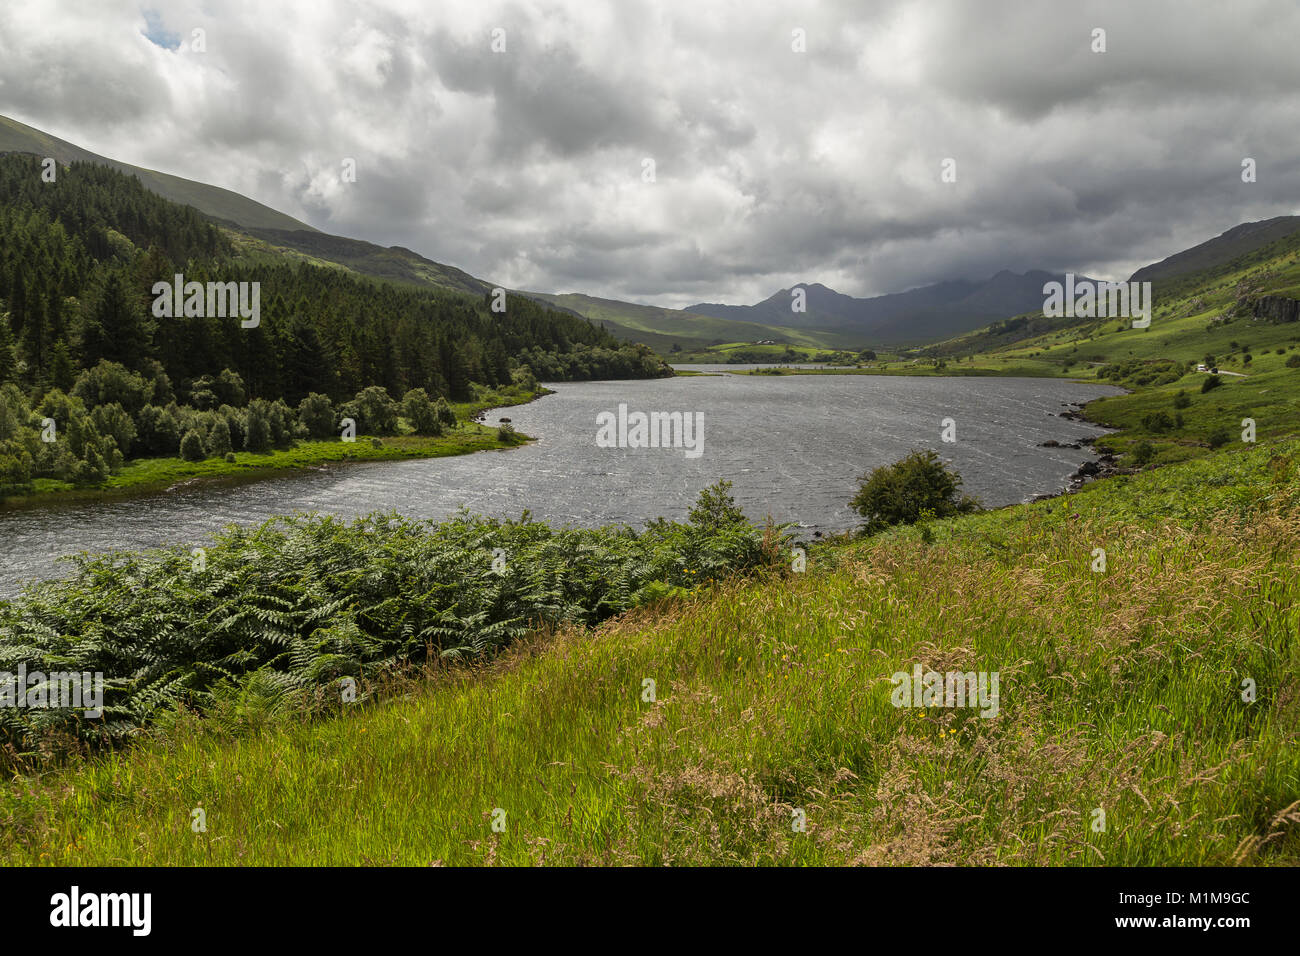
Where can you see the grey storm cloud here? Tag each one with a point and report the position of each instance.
(771, 166)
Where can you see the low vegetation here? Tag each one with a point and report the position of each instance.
(708, 726)
(298, 603)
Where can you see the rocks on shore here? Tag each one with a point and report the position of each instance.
(1107, 466)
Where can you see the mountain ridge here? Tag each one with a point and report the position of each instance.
(1241, 239)
(213, 201)
(921, 315)
(943, 308)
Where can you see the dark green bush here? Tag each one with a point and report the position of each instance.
(1157, 422)
(192, 446)
(317, 417)
(420, 413)
(914, 487)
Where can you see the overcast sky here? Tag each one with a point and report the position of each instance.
(526, 167)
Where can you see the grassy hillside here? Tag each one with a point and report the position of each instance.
(1236, 242)
(1204, 317)
(1119, 692)
(394, 264)
(255, 227)
(219, 203)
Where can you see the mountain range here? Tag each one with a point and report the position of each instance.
(831, 319)
(918, 315)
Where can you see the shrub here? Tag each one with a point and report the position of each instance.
(445, 414)
(375, 411)
(901, 493)
(1182, 399)
(218, 443)
(192, 446)
(257, 428)
(1218, 437)
(507, 433)
(316, 415)
(1211, 383)
(1142, 452)
(715, 509)
(420, 413)
(1293, 361)
(1157, 422)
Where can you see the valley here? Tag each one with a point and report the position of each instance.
(234, 523)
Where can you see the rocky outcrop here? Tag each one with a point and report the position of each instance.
(1276, 308)
(1106, 466)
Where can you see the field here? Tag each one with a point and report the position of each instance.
(1125, 733)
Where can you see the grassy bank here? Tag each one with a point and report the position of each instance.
(1121, 692)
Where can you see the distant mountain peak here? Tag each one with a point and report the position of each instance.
(916, 315)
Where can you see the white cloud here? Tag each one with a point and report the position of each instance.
(773, 167)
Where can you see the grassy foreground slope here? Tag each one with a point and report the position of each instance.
(1121, 691)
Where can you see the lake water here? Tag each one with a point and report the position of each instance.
(793, 446)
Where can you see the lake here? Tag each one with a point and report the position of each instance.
(794, 447)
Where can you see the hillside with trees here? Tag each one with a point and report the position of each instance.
(81, 346)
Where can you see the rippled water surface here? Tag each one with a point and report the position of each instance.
(794, 447)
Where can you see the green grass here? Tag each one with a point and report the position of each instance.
(1120, 691)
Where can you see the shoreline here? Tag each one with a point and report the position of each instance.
(137, 479)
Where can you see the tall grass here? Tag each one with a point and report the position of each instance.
(1121, 692)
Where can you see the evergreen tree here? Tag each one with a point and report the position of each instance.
(115, 329)
(8, 361)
